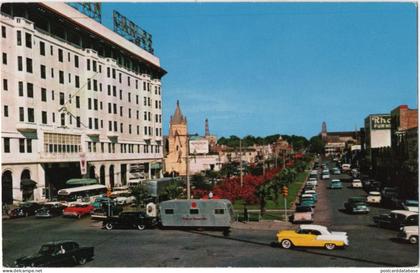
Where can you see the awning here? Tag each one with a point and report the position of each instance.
(81, 181)
(156, 165)
(26, 182)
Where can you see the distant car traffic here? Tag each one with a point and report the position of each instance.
(397, 219)
(312, 236)
(24, 210)
(356, 183)
(356, 204)
(325, 174)
(335, 184)
(49, 210)
(374, 197)
(313, 193)
(138, 220)
(78, 210)
(409, 234)
(302, 214)
(56, 254)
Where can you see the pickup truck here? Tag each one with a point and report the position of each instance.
(55, 254)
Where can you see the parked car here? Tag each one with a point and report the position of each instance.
(372, 185)
(24, 210)
(335, 184)
(357, 183)
(411, 205)
(309, 188)
(313, 193)
(397, 219)
(138, 220)
(104, 211)
(356, 204)
(345, 167)
(325, 174)
(311, 182)
(99, 201)
(355, 173)
(55, 254)
(336, 171)
(302, 214)
(409, 234)
(78, 210)
(307, 200)
(312, 236)
(123, 198)
(374, 197)
(49, 210)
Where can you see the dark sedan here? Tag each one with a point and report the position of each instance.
(397, 219)
(138, 220)
(24, 210)
(49, 210)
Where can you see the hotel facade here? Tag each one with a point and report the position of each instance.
(74, 90)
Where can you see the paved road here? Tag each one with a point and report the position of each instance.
(369, 245)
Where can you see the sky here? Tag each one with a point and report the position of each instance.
(280, 68)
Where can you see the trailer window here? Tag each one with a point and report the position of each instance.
(219, 211)
(169, 211)
(193, 211)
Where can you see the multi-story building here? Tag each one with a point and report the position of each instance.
(72, 89)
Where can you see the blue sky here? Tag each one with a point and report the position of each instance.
(268, 68)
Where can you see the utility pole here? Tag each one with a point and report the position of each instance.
(187, 171)
(240, 158)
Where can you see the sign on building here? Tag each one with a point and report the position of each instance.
(199, 146)
(380, 122)
(83, 164)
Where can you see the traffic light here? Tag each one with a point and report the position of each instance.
(285, 191)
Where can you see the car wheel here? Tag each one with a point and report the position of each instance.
(109, 226)
(81, 260)
(286, 244)
(141, 227)
(330, 246)
(413, 240)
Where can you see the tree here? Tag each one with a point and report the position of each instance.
(316, 145)
(173, 191)
(140, 193)
(198, 181)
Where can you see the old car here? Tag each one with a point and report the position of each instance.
(55, 254)
(325, 174)
(397, 219)
(311, 182)
(307, 200)
(411, 205)
(336, 171)
(312, 236)
(302, 214)
(123, 197)
(99, 201)
(50, 209)
(138, 220)
(107, 209)
(356, 204)
(374, 197)
(409, 234)
(24, 210)
(78, 210)
(335, 184)
(356, 183)
(313, 193)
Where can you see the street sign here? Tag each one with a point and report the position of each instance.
(83, 164)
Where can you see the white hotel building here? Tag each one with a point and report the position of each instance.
(71, 86)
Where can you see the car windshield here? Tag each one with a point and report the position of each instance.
(411, 203)
(47, 249)
(303, 209)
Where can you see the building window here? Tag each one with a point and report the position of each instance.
(3, 31)
(63, 119)
(120, 94)
(78, 122)
(28, 39)
(31, 116)
(68, 57)
(114, 91)
(43, 94)
(77, 102)
(121, 111)
(129, 113)
(88, 84)
(20, 63)
(44, 117)
(43, 72)
(113, 73)
(20, 89)
(89, 103)
(109, 125)
(129, 97)
(121, 128)
(30, 90)
(76, 61)
(42, 48)
(95, 104)
(119, 77)
(51, 50)
(29, 65)
(96, 124)
(6, 143)
(52, 94)
(115, 108)
(69, 77)
(90, 123)
(19, 38)
(4, 58)
(88, 64)
(61, 76)
(95, 85)
(53, 117)
(6, 111)
(29, 145)
(61, 98)
(21, 145)
(60, 55)
(77, 81)
(145, 130)
(52, 72)
(109, 108)
(5, 85)
(94, 65)
(129, 129)
(115, 126)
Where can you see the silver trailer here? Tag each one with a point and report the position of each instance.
(197, 213)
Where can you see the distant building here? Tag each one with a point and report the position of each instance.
(337, 142)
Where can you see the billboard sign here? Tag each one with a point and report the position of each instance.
(380, 122)
(199, 146)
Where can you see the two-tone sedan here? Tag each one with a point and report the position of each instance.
(312, 236)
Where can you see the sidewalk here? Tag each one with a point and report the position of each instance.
(262, 225)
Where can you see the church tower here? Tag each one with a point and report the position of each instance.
(175, 160)
(324, 134)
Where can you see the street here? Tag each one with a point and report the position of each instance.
(369, 246)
